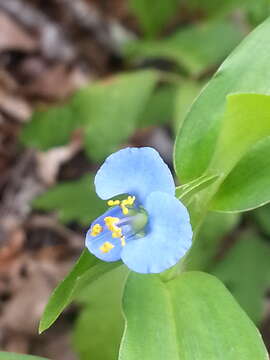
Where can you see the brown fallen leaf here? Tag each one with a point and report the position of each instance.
(12, 247)
(14, 106)
(50, 161)
(14, 37)
(56, 82)
(30, 284)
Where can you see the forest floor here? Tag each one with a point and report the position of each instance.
(48, 50)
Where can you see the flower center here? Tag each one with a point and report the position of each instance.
(124, 204)
(124, 221)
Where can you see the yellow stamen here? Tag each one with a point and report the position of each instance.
(124, 209)
(129, 201)
(113, 202)
(123, 241)
(106, 247)
(111, 222)
(96, 230)
(117, 233)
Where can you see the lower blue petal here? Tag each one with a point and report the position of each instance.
(134, 171)
(168, 236)
(93, 243)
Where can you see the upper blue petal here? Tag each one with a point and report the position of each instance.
(169, 236)
(134, 171)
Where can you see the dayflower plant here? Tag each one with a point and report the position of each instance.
(150, 228)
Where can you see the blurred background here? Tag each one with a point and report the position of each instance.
(80, 79)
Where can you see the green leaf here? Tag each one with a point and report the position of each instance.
(213, 230)
(160, 107)
(61, 296)
(184, 192)
(247, 186)
(197, 138)
(87, 269)
(110, 110)
(239, 149)
(153, 14)
(245, 271)
(246, 121)
(13, 356)
(196, 48)
(241, 154)
(49, 128)
(262, 216)
(73, 201)
(257, 11)
(190, 317)
(185, 96)
(107, 111)
(217, 7)
(100, 325)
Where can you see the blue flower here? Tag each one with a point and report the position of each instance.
(149, 229)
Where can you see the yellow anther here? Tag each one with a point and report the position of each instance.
(124, 209)
(113, 202)
(111, 222)
(123, 241)
(129, 201)
(117, 233)
(106, 247)
(96, 230)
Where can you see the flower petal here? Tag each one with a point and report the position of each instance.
(168, 239)
(93, 243)
(134, 171)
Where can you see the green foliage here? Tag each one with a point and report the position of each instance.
(185, 96)
(238, 150)
(262, 217)
(217, 7)
(13, 356)
(108, 112)
(196, 141)
(195, 317)
(247, 186)
(49, 128)
(86, 270)
(186, 191)
(257, 11)
(240, 130)
(196, 48)
(100, 325)
(245, 271)
(73, 201)
(160, 108)
(153, 15)
(215, 227)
